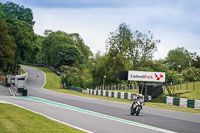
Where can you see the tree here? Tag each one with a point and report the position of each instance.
(24, 38)
(178, 59)
(84, 49)
(106, 65)
(119, 40)
(69, 56)
(15, 11)
(137, 47)
(191, 74)
(195, 60)
(20, 28)
(6, 46)
(53, 44)
(73, 76)
(39, 55)
(141, 48)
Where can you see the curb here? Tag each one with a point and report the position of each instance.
(11, 91)
(183, 102)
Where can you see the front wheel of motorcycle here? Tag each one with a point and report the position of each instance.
(138, 111)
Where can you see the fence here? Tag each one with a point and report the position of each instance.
(171, 90)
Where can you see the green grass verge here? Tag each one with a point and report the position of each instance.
(53, 81)
(53, 77)
(17, 120)
(21, 71)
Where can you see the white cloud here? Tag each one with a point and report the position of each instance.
(169, 23)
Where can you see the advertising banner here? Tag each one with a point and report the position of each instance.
(146, 76)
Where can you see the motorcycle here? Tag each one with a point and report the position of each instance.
(136, 108)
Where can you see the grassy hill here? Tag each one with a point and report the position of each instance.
(189, 90)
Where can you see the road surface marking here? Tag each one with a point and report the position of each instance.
(97, 114)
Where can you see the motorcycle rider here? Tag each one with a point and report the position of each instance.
(139, 98)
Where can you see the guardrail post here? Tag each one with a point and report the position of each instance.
(193, 85)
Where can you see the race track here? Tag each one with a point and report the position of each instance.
(98, 116)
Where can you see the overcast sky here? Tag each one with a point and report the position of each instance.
(175, 22)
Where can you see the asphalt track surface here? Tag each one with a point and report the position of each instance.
(154, 120)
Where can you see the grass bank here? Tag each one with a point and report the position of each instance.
(53, 81)
(17, 120)
(52, 77)
(186, 90)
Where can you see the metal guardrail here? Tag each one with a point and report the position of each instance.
(46, 66)
(74, 88)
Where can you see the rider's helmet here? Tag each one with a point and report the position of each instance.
(139, 96)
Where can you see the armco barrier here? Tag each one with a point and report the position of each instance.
(42, 65)
(74, 88)
(183, 102)
(113, 94)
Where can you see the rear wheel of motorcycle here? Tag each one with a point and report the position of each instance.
(131, 112)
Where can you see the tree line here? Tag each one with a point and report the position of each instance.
(127, 49)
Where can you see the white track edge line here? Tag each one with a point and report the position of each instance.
(103, 114)
(51, 118)
(107, 100)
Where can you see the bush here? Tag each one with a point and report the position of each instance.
(191, 74)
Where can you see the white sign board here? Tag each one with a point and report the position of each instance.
(146, 76)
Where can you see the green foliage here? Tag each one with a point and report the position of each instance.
(72, 76)
(171, 76)
(178, 59)
(38, 43)
(20, 28)
(119, 40)
(18, 12)
(6, 47)
(108, 66)
(69, 56)
(84, 49)
(191, 74)
(54, 43)
(142, 48)
(136, 46)
(195, 60)
(60, 48)
(24, 38)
